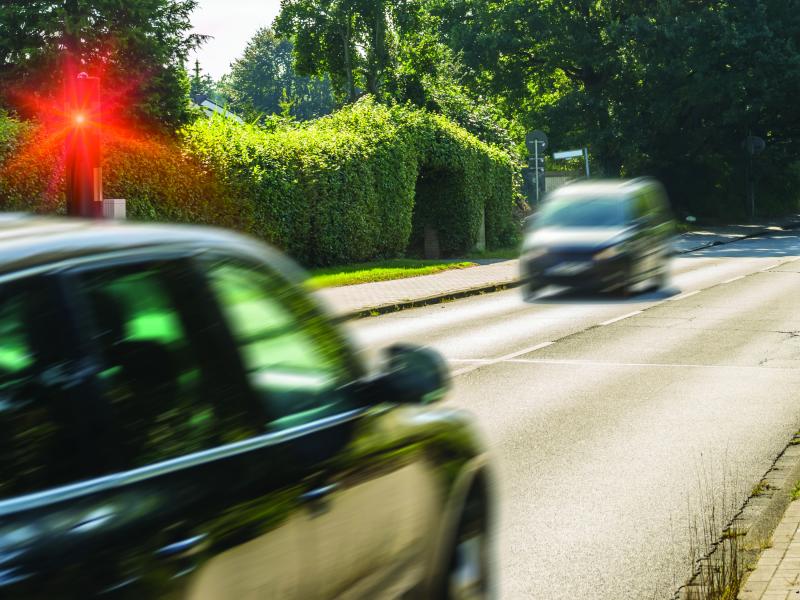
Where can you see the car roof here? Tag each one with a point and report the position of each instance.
(29, 241)
(605, 187)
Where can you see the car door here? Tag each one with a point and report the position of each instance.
(371, 494)
(182, 513)
(51, 433)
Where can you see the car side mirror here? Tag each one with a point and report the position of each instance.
(414, 375)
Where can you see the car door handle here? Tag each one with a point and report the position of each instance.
(319, 493)
(182, 547)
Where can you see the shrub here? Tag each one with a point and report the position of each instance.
(351, 186)
(159, 181)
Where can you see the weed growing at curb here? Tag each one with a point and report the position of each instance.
(795, 493)
(715, 541)
(760, 488)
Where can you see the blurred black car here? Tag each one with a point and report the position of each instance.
(179, 420)
(599, 235)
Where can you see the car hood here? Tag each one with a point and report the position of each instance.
(576, 237)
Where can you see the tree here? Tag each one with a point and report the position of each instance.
(263, 82)
(669, 88)
(355, 42)
(139, 48)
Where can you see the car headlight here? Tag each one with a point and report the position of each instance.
(534, 253)
(610, 252)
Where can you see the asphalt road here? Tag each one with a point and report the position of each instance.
(616, 423)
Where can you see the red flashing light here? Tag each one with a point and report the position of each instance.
(84, 156)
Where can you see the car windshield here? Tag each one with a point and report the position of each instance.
(583, 212)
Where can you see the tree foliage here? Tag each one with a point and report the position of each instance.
(356, 42)
(139, 48)
(670, 88)
(264, 82)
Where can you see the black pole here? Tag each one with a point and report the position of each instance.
(84, 171)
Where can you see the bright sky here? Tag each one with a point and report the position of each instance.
(232, 23)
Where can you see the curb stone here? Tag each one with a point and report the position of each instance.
(383, 309)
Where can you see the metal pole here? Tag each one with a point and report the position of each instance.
(536, 167)
(586, 159)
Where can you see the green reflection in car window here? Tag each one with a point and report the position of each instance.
(292, 358)
(153, 379)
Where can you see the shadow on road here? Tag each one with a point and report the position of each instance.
(567, 296)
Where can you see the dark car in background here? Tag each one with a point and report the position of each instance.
(599, 235)
(179, 420)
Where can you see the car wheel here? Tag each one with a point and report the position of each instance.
(529, 289)
(662, 279)
(625, 289)
(468, 576)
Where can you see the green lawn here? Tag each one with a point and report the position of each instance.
(379, 271)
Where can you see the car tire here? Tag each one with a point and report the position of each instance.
(662, 279)
(468, 575)
(529, 289)
(625, 289)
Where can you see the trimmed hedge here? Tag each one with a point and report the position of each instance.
(159, 180)
(342, 188)
(353, 186)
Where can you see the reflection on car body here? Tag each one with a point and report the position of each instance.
(599, 235)
(179, 419)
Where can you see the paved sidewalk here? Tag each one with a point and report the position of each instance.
(382, 296)
(777, 573)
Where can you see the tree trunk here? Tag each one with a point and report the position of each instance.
(348, 64)
(377, 58)
(72, 51)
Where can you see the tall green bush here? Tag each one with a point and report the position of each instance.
(344, 188)
(152, 172)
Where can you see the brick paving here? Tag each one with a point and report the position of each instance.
(368, 296)
(777, 572)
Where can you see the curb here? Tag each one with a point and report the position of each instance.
(756, 521)
(383, 309)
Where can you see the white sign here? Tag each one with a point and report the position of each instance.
(568, 154)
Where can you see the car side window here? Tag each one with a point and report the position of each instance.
(294, 359)
(164, 397)
(37, 443)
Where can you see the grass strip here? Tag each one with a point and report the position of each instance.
(385, 270)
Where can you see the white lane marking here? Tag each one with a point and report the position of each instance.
(594, 363)
(503, 358)
(732, 279)
(469, 360)
(614, 320)
(771, 267)
(686, 295)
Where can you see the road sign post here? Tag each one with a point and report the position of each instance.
(586, 160)
(753, 145)
(536, 142)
